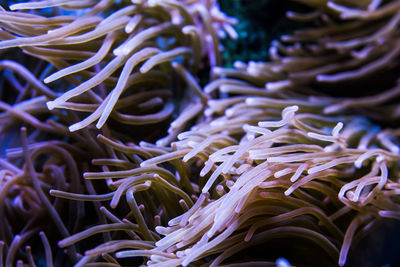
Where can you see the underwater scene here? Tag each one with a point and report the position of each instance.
(200, 133)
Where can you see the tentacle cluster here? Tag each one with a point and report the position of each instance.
(264, 156)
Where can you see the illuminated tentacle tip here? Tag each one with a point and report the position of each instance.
(290, 14)
(237, 64)
(332, 109)
(51, 105)
(276, 86)
(289, 191)
(61, 244)
(358, 163)
(217, 70)
(290, 109)
(342, 260)
(380, 158)
(121, 254)
(75, 127)
(189, 29)
(246, 127)
(47, 80)
(252, 101)
(118, 52)
(282, 262)
(336, 129)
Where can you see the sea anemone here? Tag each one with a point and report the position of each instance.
(192, 163)
(124, 45)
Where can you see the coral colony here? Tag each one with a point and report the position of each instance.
(115, 152)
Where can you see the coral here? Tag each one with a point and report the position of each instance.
(297, 156)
